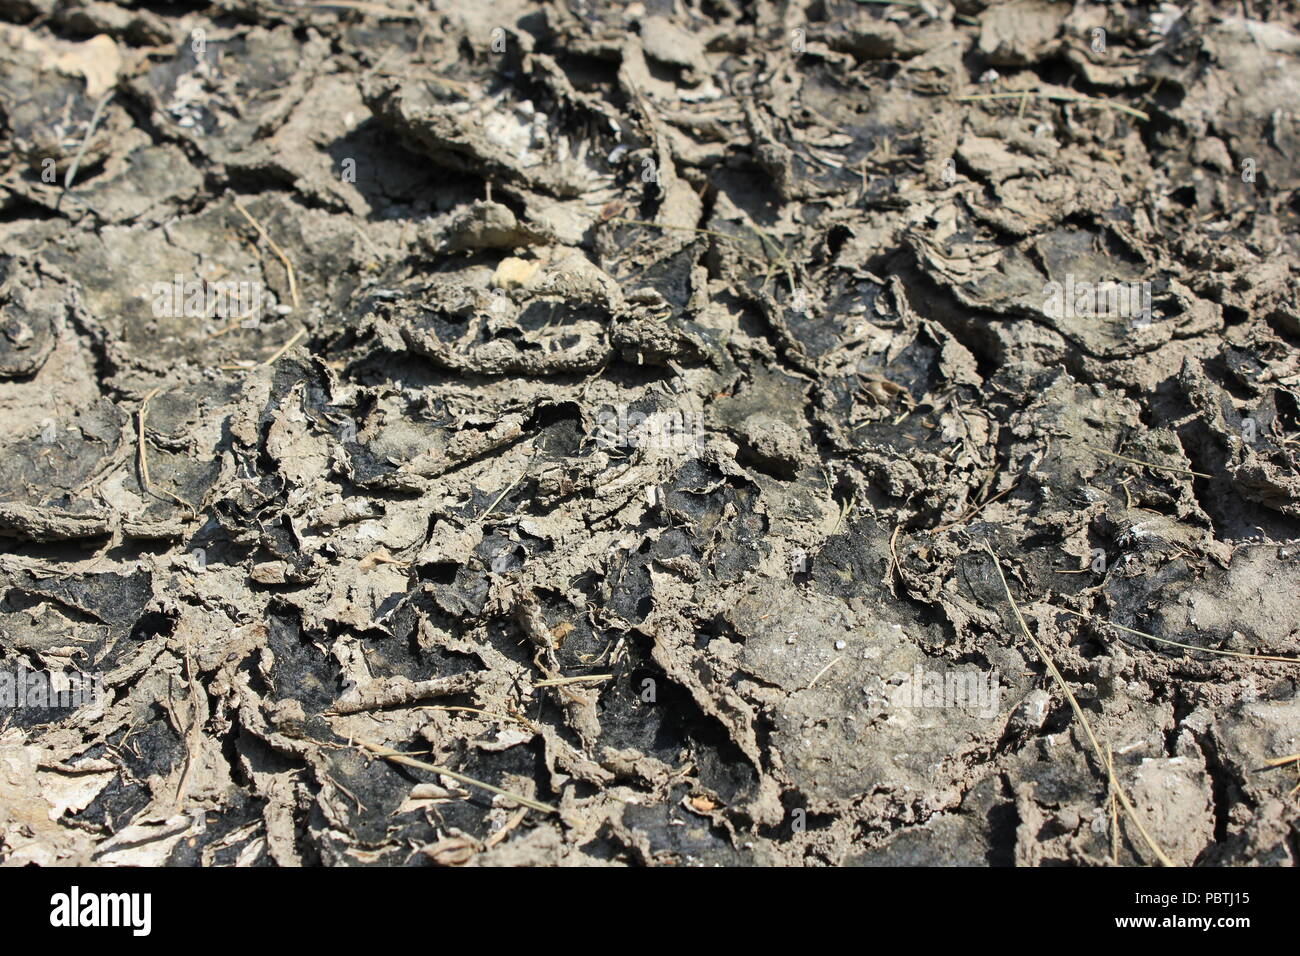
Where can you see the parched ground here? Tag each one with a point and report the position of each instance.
(663, 433)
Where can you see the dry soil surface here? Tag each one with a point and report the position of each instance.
(684, 432)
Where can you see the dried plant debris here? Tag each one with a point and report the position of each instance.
(672, 433)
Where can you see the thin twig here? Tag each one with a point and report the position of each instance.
(585, 679)
(85, 143)
(1282, 762)
(1114, 807)
(501, 834)
(285, 347)
(1057, 97)
(360, 806)
(893, 560)
(1189, 647)
(508, 488)
(141, 457)
(977, 509)
(1208, 650)
(1145, 464)
(396, 756)
(233, 324)
(1074, 704)
(812, 682)
(475, 710)
(288, 266)
(194, 734)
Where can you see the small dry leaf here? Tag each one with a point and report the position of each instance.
(375, 558)
(560, 632)
(98, 60)
(514, 271)
(451, 851)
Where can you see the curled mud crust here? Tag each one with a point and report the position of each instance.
(684, 432)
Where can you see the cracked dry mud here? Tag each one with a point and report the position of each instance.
(634, 402)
